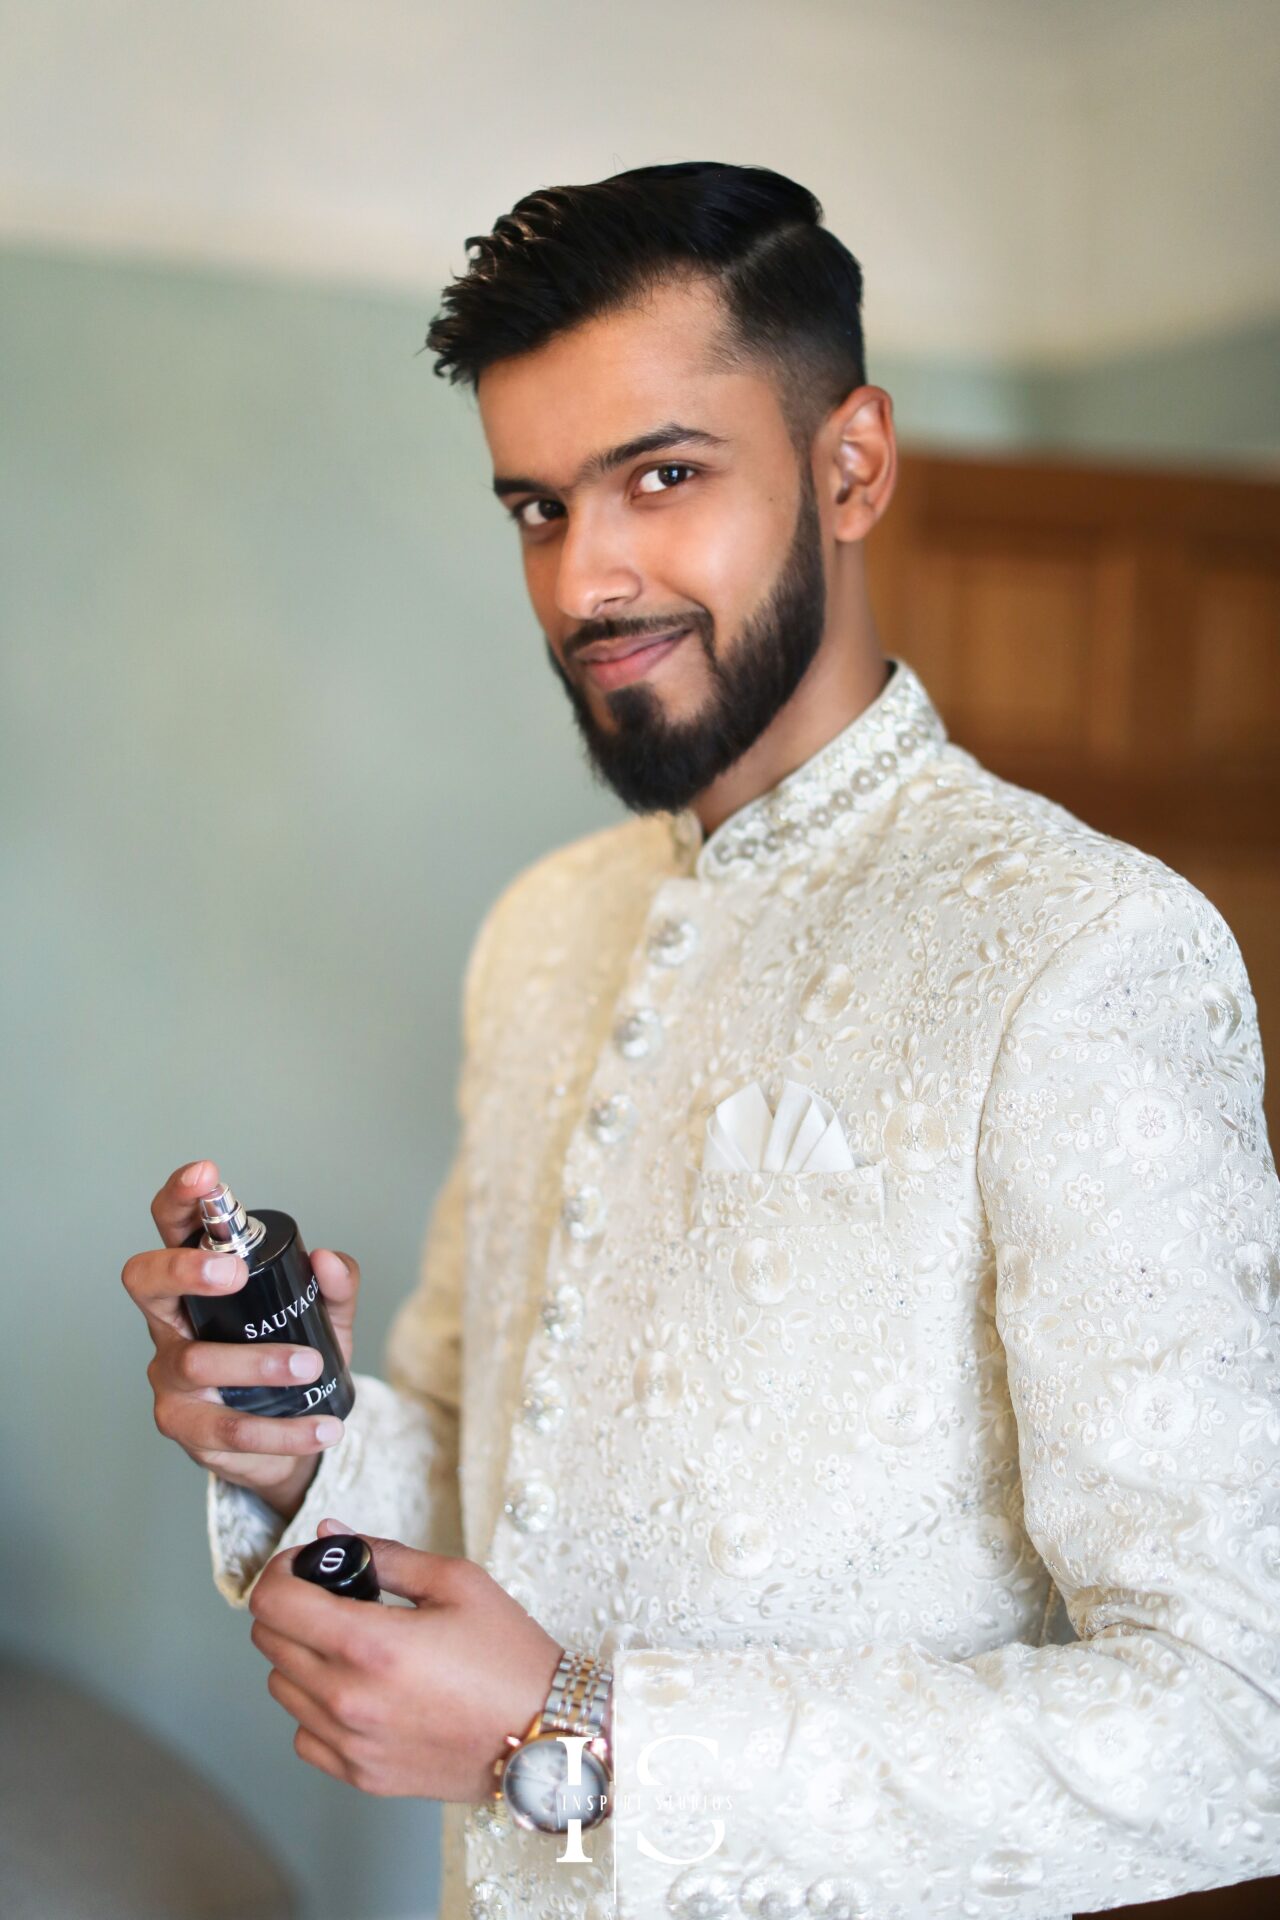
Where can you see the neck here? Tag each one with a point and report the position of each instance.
(845, 677)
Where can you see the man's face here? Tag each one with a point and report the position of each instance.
(715, 533)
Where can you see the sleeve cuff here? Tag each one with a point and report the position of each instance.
(245, 1531)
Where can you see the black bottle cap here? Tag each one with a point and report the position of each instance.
(341, 1562)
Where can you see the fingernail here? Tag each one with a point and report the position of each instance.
(193, 1175)
(223, 1269)
(339, 1526)
(305, 1366)
(327, 1431)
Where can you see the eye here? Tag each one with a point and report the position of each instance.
(518, 513)
(669, 468)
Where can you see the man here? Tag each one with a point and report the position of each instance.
(863, 1231)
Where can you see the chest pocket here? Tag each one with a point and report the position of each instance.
(749, 1202)
(762, 1234)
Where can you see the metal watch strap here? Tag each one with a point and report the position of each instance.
(578, 1701)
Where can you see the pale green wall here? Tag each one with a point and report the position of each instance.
(1212, 401)
(277, 725)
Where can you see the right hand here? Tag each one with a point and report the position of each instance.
(275, 1457)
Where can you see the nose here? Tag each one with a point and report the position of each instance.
(596, 575)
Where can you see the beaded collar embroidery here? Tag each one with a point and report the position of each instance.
(851, 775)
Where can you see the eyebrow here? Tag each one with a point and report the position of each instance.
(596, 464)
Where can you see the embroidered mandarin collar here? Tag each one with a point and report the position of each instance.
(853, 774)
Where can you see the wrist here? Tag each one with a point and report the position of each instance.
(531, 1774)
(287, 1498)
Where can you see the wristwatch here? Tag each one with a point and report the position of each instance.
(532, 1772)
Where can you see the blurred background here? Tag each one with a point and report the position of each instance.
(276, 721)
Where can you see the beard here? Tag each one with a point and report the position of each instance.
(654, 764)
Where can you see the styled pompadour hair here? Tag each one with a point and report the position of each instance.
(791, 293)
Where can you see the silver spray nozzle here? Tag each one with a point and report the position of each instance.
(226, 1224)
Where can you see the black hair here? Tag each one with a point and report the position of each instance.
(790, 291)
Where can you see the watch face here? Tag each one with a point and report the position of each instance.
(535, 1785)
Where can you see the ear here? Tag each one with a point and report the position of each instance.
(862, 461)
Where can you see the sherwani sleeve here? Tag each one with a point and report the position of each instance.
(1134, 1216)
(394, 1472)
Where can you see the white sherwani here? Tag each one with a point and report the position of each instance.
(817, 1457)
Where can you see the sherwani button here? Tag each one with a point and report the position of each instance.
(562, 1311)
(613, 1119)
(543, 1404)
(671, 942)
(530, 1505)
(768, 1895)
(704, 1893)
(638, 1034)
(583, 1213)
(832, 1898)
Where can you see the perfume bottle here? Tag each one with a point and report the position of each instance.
(281, 1301)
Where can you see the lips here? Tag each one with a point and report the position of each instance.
(619, 669)
(626, 648)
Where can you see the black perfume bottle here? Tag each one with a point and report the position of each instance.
(281, 1301)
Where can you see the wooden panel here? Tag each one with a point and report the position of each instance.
(1234, 696)
(1024, 615)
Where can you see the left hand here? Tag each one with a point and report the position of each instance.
(401, 1701)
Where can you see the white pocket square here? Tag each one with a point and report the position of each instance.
(803, 1136)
